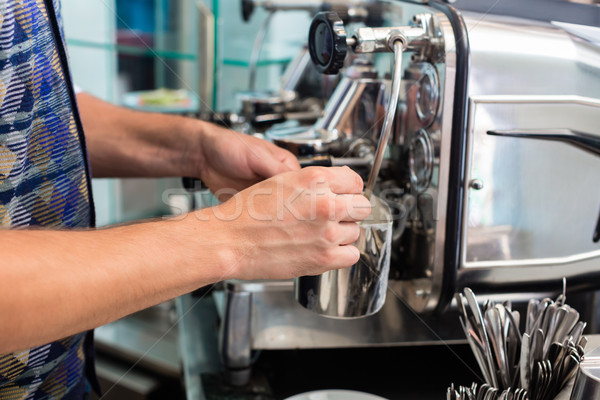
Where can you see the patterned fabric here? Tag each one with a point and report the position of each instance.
(43, 178)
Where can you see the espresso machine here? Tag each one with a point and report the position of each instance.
(492, 172)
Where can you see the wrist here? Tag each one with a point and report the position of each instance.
(192, 142)
(213, 249)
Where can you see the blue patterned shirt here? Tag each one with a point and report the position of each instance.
(44, 177)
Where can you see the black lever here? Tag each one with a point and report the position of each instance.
(582, 140)
(191, 184)
(327, 42)
(247, 9)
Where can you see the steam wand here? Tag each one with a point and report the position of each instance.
(328, 45)
(392, 104)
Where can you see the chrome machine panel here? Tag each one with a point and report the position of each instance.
(538, 201)
(535, 217)
(526, 210)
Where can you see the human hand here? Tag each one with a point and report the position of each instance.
(233, 161)
(294, 224)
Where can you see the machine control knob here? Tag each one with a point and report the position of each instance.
(476, 184)
(247, 9)
(327, 42)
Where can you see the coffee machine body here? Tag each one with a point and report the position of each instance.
(493, 175)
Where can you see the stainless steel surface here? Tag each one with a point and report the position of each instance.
(146, 338)
(292, 77)
(419, 37)
(587, 383)
(236, 331)
(495, 234)
(351, 110)
(518, 174)
(425, 232)
(278, 322)
(360, 290)
(198, 341)
(359, 78)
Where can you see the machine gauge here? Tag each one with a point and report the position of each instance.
(428, 94)
(420, 160)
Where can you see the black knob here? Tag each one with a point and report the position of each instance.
(247, 9)
(327, 42)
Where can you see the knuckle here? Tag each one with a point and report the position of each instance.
(314, 174)
(341, 207)
(323, 207)
(330, 235)
(354, 181)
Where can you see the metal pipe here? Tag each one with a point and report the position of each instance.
(258, 42)
(390, 112)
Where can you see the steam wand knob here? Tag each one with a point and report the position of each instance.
(327, 42)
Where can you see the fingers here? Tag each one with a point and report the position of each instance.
(347, 233)
(342, 257)
(288, 161)
(340, 180)
(268, 160)
(351, 207)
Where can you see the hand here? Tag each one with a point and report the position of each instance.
(233, 161)
(297, 223)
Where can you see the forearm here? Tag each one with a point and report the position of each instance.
(57, 283)
(128, 143)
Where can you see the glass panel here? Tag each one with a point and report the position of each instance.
(540, 199)
(156, 45)
(287, 33)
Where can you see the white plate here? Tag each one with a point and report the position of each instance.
(335, 395)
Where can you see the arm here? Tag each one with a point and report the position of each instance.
(127, 143)
(57, 283)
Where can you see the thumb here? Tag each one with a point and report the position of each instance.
(289, 161)
(274, 161)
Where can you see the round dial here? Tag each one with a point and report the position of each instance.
(327, 42)
(421, 160)
(428, 94)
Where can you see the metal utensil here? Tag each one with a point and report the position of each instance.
(532, 366)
